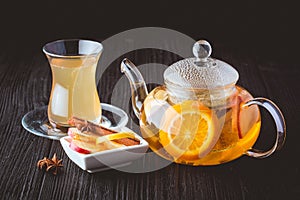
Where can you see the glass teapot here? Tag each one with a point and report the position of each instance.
(200, 116)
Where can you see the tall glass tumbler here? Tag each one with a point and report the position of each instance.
(74, 92)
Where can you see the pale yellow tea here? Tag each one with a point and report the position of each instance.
(74, 91)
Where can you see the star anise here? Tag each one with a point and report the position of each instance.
(52, 164)
(43, 162)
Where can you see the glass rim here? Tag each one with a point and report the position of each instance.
(52, 54)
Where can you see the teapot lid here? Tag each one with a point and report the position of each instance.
(202, 71)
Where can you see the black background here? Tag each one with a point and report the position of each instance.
(267, 31)
(262, 28)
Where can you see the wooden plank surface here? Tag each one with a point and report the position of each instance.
(25, 85)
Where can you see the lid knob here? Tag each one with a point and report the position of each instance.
(202, 50)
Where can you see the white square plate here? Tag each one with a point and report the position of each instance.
(107, 159)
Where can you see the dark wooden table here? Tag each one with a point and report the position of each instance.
(25, 85)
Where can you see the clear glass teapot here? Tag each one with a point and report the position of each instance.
(200, 116)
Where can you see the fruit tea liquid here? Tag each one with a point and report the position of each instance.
(233, 129)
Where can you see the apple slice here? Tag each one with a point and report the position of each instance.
(247, 117)
(93, 143)
(71, 132)
(235, 114)
(96, 130)
(78, 149)
(243, 118)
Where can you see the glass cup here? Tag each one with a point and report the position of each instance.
(74, 93)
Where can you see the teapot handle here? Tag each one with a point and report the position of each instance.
(280, 127)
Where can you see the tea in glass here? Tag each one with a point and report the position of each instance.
(74, 93)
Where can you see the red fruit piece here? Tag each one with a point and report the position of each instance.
(247, 117)
(243, 118)
(70, 132)
(78, 149)
(236, 115)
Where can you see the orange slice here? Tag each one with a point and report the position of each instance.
(188, 130)
(115, 136)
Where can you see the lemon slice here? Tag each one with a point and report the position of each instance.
(189, 131)
(115, 136)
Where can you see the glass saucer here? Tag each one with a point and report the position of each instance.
(36, 121)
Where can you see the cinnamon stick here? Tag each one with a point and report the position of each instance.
(90, 127)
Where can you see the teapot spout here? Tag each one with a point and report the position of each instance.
(138, 87)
